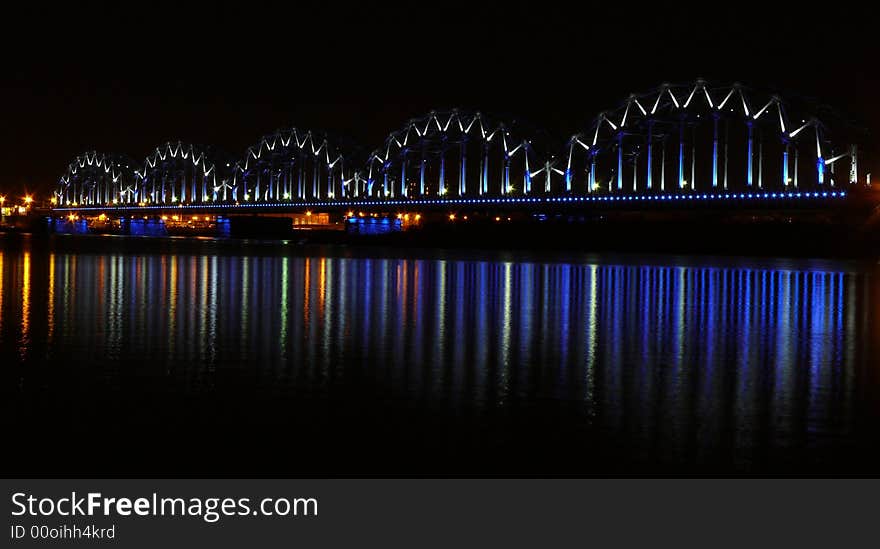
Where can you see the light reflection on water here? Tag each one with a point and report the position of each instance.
(685, 362)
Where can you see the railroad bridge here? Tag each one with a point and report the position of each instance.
(685, 147)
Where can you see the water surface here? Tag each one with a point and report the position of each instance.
(254, 358)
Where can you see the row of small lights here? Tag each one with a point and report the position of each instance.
(513, 200)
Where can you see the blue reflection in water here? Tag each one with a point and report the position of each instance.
(695, 362)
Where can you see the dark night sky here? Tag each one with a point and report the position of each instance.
(124, 78)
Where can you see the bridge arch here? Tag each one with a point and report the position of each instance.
(177, 172)
(292, 165)
(453, 154)
(699, 137)
(94, 178)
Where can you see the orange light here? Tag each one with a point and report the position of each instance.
(28, 200)
(350, 214)
(2, 199)
(497, 219)
(195, 218)
(54, 200)
(399, 216)
(418, 216)
(164, 218)
(102, 217)
(174, 218)
(451, 217)
(308, 214)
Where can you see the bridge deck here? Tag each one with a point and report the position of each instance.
(696, 201)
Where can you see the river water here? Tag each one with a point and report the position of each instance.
(200, 357)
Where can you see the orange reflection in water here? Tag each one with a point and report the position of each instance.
(25, 303)
(50, 302)
(322, 284)
(306, 289)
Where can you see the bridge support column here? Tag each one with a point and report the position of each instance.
(422, 173)
(663, 165)
(548, 177)
(300, 182)
(620, 161)
(726, 157)
(591, 174)
(749, 168)
(650, 166)
(484, 172)
(505, 185)
(833, 178)
(785, 165)
(441, 183)
(854, 164)
(403, 191)
(315, 171)
(760, 162)
(681, 176)
(635, 173)
(462, 176)
(715, 151)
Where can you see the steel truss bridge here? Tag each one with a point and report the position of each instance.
(685, 144)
